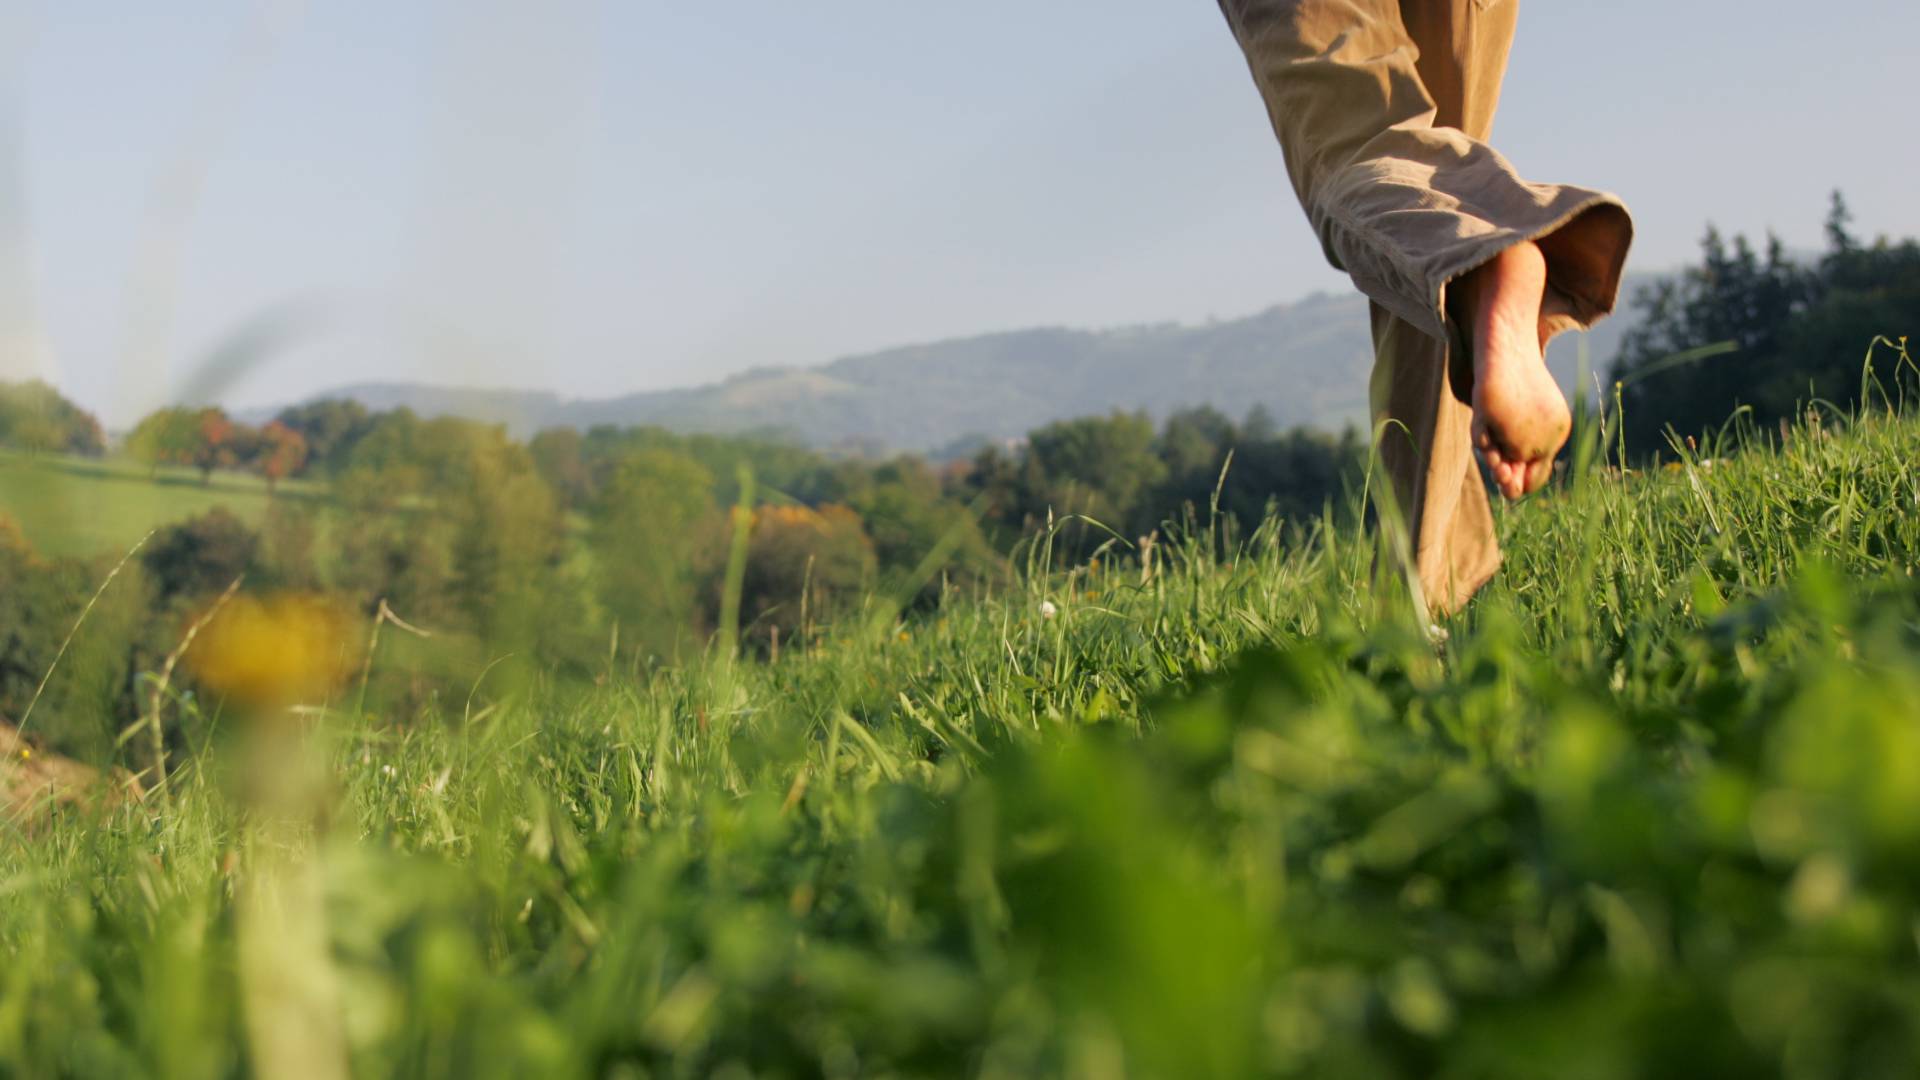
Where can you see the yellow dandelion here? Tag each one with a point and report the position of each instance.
(274, 651)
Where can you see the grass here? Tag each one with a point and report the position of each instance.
(1650, 808)
(86, 507)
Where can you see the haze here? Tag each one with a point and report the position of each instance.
(601, 198)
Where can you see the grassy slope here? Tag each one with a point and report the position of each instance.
(1652, 808)
(81, 506)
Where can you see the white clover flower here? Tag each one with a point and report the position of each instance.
(1048, 610)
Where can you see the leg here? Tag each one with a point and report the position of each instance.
(1382, 108)
(1422, 425)
(1402, 200)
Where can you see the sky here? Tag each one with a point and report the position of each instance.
(256, 200)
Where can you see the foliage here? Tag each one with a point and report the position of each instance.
(450, 523)
(925, 544)
(1129, 481)
(164, 437)
(40, 599)
(1094, 467)
(218, 442)
(649, 533)
(199, 556)
(805, 568)
(329, 428)
(281, 453)
(558, 453)
(1798, 333)
(35, 418)
(204, 438)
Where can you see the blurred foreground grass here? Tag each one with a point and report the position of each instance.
(1651, 808)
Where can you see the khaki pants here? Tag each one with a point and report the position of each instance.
(1382, 108)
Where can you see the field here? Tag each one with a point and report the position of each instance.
(1650, 808)
(77, 506)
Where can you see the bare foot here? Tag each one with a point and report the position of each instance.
(1520, 418)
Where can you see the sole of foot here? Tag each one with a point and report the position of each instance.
(1520, 417)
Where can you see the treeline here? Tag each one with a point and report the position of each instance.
(649, 513)
(208, 439)
(1127, 479)
(582, 553)
(1790, 335)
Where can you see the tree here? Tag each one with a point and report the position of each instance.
(648, 534)
(1193, 446)
(34, 417)
(219, 442)
(199, 556)
(804, 568)
(1292, 475)
(1099, 467)
(330, 428)
(1798, 332)
(279, 453)
(82, 707)
(1258, 425)
(164, 437)
(452, 516)
(909, 522)
(559, 455)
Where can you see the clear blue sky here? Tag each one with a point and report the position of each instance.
(596, 198)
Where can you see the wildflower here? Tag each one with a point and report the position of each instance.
(1437, 633)
(388, 771)
(26, 753)
(1048, 610)
(274, 651)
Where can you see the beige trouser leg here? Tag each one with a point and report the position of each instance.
(1382, 108)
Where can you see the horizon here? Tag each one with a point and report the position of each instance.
(347, 390)
(428, 381)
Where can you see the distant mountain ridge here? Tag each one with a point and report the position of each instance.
(1306, 363)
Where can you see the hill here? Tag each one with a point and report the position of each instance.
(1305, 363)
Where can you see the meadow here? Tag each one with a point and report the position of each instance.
(86, 506)
(1650, 807)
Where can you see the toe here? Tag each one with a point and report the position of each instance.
(1537, 473)
(1506, 477)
